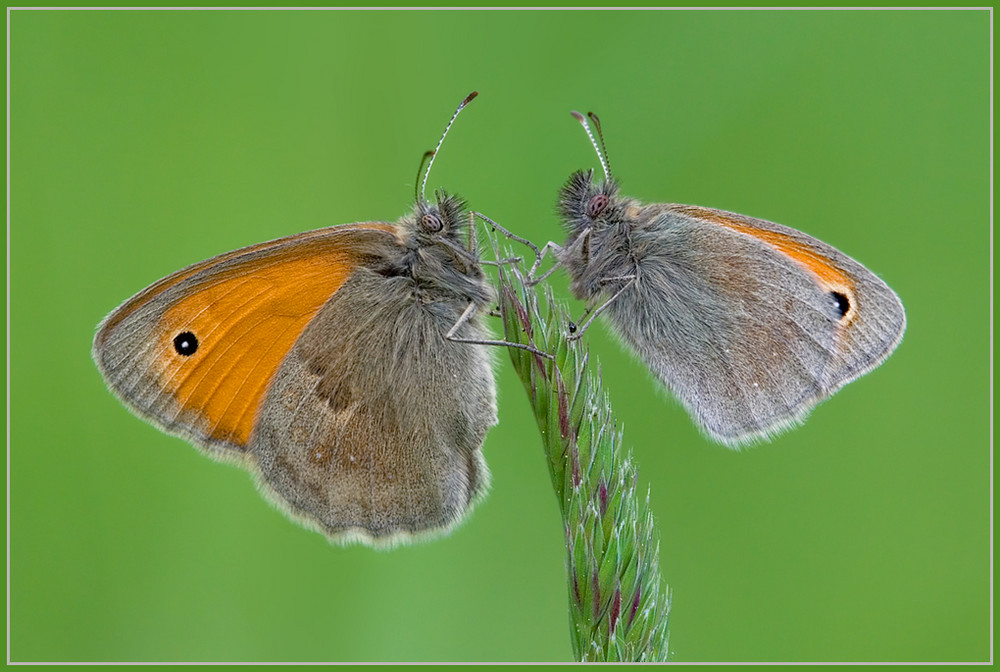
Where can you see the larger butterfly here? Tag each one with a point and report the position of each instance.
(347, 367)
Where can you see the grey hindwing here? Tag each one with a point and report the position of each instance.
(745, 338)
(374, 422)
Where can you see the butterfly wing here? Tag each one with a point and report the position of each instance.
(216, 353)
(373, 426)
(748, 322)
(195, 352)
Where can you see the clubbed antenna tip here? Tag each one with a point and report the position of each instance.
(593, 141)
(433, 154)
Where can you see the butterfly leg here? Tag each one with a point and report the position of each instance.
(500, 262)
(467, 315)
(580, 245)
(539, 254)
(575, 331)
(470, 258)
(581, 242)
(473, 246)
(557, 250)
(512, 236)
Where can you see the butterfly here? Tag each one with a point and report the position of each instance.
(346, 367)
(748, 323)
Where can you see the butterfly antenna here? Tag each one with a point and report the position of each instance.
(429, 153)
(433, 154)
(583, 122)
(600, 136)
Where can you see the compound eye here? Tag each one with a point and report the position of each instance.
(431, 223)
(597, 204)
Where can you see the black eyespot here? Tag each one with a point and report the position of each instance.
(842, 302)
(431, 223)
(597, 204)
(185, 343)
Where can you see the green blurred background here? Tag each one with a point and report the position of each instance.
(144, 141)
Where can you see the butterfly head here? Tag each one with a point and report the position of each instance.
(584, 204)
(443, 219)
(439, 252)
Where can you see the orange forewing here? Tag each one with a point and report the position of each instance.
(829, 276)
(246, 317)
(157, 288)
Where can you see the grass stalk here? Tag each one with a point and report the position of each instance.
(618, 605)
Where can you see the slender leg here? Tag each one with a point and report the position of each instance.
(582, 242)
(512, 236)
(501, 262)
(467, 315)
(557, 251)
(539, 254)
(577, 332)
(473, 246)
(471, 258)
